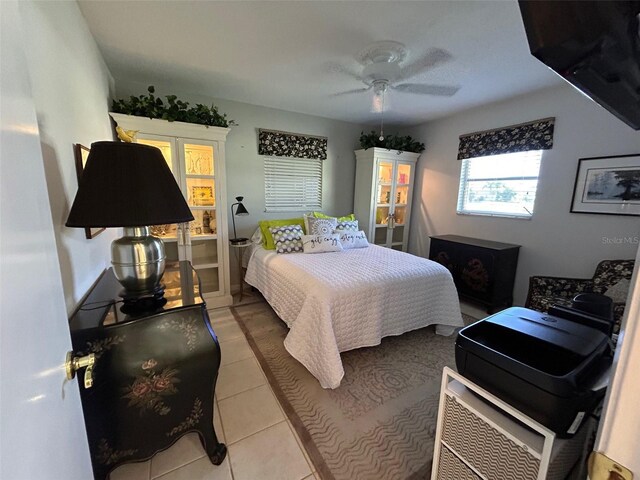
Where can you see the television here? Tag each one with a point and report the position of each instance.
(594, 45)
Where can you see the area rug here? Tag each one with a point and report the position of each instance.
(380, 423)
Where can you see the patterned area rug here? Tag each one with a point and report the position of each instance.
(380, 423)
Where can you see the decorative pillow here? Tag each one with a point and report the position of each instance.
(351, 216)
(350, 239)
(321, 243)
(266, 234)
(257, 237)
(351, 225)
(321, 226)
(287, 239)
(619, 292)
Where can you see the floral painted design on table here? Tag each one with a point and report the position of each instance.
(191, 421)
(108, 456)
(150, 386)
(187, 327)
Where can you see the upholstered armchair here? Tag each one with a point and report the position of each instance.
(612, 278)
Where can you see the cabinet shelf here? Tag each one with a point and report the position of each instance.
(204, 177)
(211, 236)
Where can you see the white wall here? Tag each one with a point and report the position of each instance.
(245, 172)
(71, 88)
(554, 241)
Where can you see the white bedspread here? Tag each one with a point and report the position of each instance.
(334, 302)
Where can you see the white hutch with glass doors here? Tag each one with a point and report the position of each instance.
(196, 156)
(382, 199)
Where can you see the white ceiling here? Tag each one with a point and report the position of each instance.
(276, 54)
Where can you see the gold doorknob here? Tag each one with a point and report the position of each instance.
(73, 364)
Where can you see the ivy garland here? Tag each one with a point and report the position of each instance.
(174, 111)
(391, 142)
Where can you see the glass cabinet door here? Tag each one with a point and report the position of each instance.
(384, 193)
(400, 205)
(169, 232)
(199, 188)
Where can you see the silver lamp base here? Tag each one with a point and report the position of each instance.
(138, 261)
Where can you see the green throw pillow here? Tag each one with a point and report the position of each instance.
(340, 219)
(267, 238)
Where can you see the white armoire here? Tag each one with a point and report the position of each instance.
(383, 193)
(196, 156)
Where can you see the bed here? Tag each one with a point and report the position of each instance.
(339, 301)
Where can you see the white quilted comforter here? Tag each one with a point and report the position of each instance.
(334, 302)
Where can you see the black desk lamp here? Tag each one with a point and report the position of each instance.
(240, 211)
(130, 185)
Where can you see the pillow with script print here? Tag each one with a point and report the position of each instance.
(287, 239)
(351, 225)
(350, 239)
(321, 243)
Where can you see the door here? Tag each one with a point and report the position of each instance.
(619, 435)
(198, 183)
(401, 205)
(171, 235)
(385, 171)
(42, 435)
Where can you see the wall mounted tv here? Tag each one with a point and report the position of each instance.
(594, 45)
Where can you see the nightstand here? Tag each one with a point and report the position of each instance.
(155, 371)
(239, 253)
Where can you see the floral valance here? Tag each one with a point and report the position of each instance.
(286, 144)
(537, 135)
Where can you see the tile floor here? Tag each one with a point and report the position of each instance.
(260, 440)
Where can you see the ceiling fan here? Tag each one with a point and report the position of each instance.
(384, 70)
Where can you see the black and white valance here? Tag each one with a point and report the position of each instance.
(537, 135)
(293, 145)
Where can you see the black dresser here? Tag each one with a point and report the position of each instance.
(484, 271)
(154, 374)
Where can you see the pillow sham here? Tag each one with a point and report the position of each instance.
(351, 216)
(267, 238)
(287, 239)
(350, 225)
(321, 226)
(350, 239)
(321, 243)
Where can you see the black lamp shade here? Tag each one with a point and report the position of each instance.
(127, 185)
(241, 210)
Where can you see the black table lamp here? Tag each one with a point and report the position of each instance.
(240, 211)
(130, 185)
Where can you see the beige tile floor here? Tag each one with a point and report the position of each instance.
(262, 444)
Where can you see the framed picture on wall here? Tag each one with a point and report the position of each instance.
(81, 154)
(608, 185)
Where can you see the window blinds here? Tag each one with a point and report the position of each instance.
(292, 184)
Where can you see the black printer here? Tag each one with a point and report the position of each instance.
(549, 368)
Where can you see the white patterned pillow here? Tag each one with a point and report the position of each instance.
(287, 239)
(321, 226)
(351, 225)
(350, 239)
(321, 243)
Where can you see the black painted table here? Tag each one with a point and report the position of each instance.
(155, 372)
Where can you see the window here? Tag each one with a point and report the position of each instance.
(501, 185)
(292, 184)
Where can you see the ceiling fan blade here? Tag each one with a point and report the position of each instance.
(423, 89)
(349, 92)
(333, 67)
(432, 58)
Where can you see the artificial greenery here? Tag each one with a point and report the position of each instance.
(174, 110)
(390, 142)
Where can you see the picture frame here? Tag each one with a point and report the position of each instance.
(202, 196)
(81, 154)
(608, 185)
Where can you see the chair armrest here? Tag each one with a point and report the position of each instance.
(547, 291)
